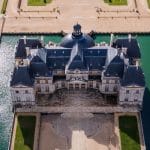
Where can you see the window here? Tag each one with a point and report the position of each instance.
(70, 86)
(126, 99)
(38, 81)
(107, 81)
(116, 81)
(17, 91)
(135, 99)
(18, 99)
(46, 81)
(63, 85)
(38, 89)
(115, 88)
(106, 88)
(91, 85)
(47, 89)
(56, 85)
(127, 91)
(26, 92)
(28, 99)
(97, 85)
(82, 86)
(137, 91)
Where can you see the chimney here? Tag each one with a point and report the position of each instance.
(111, 39)
(137, 64)
(25, 40)
(42, 40)
(129, 37)
(28, 51)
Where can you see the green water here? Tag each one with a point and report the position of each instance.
(7, 64)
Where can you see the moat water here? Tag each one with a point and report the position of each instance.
(6, 67)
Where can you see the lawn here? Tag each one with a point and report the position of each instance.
(24, 139)
(116, 2)
(3, 10)
(129, 133)
(148, 1)
(38, 2)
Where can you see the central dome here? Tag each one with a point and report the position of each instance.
(84, 40)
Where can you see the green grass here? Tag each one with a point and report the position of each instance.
(3, 10)
(129, 133)
(38, 2)
(148, 1)
(116, 2)
(24, 139)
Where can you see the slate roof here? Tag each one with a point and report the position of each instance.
(39, 68)
(77, 37)
(21, 77)
(21, 47)
(115, 68)
(95, 58)
(57, 58)
(76, 59)
(133, 76)
(133, 50)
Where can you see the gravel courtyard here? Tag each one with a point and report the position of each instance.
(77, 131)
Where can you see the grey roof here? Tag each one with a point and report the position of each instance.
(39, 68)
(57, 58)
(84, 40)
(133, 50)
(21, 77)
(21, 47)
(133, 76)
(76, 59)
(95, 58)
(115, 68)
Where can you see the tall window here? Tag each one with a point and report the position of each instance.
(28, 98)
(26, 92)
(127, 91)
(47, 89)
(18, 99)
(137, 91)
(39, 89)
(63, 84)
(46, 81)
(126, 99)
(115, 88)
(106, 88)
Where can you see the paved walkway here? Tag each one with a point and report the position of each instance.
(92, 15)
(107, 109)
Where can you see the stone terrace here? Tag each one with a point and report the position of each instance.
(62, 15)
(82, 98)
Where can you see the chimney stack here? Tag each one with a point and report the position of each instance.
(129, 37)
(25, 40)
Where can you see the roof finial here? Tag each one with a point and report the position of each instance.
(77, 30)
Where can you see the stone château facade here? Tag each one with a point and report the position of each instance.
(78, 63)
